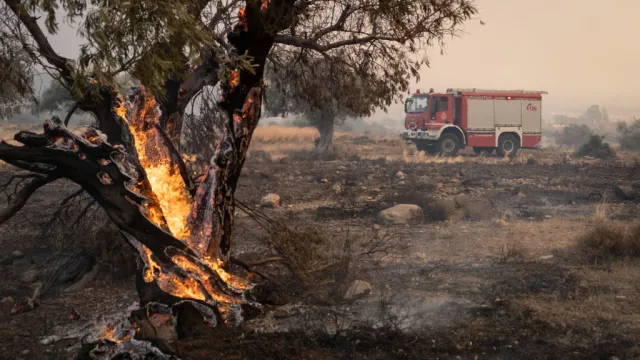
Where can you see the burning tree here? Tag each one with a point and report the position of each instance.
(131, 163)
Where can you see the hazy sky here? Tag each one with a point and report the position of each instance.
(581, 51)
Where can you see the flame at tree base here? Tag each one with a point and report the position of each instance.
(193, 276)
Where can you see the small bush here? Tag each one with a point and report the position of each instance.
(440, 210)
(596, 148)
(574, 135)
(629, 135)
(609, 240)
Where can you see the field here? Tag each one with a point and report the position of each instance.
(536, 257)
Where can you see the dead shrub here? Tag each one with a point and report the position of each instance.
(322, 263)
(610, 240)
(596, 148)
(439, 210)
(512, 250)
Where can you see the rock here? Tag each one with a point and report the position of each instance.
(38, 288)
(376, 227)
(400, 175)
(27, 351)
(336, 188)
(84, 281)
(17, 254)
(29, 276)
(358, 289)
(284, 313)
(521, 196)
(324, 180)
(21, 262)
(499, 223)
(462, 172)
(270, 201)
(402, 214)
(625, 192)
(532, 161)
(546, 257)
(7, 302)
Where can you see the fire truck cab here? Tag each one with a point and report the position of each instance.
(487, 120)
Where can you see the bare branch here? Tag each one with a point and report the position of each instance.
(23, 195)
(61, 64)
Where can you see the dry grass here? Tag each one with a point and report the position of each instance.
(279, 134)
(610, 239)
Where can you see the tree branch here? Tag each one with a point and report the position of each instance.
(62, 64)
(314, 45)
(23, 195)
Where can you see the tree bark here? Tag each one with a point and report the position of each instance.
(324, 144)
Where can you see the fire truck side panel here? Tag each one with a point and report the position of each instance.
(531, 122)
(479, 116)
(508, 113)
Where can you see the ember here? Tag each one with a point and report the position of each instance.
(242, 18)
(234, 79)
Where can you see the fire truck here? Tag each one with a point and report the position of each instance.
(486, 120)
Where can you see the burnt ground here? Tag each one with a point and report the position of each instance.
(494, 270)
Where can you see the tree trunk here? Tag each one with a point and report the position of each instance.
(112, 170)
(324, 144)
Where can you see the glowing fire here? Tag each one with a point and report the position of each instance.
(234, 79)
(242, 18)
(265, 5)
(166, 182)
(175, 204)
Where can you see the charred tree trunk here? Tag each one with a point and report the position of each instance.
(112, 166)
(324, 144)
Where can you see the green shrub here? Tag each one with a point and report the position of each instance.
(596, 148)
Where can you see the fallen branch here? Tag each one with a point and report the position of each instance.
(249, 268)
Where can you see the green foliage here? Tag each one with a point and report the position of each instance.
(596, 148)
(150, 39)
(54, 98)
(574, 135)
(351, 58)
(629, 135)
(16, 74)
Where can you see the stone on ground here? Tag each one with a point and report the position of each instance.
(357, 290)
(402, 214)
(270, 201)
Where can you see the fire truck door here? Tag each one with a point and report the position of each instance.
(441, 111)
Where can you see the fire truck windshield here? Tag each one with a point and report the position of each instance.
(416, 104)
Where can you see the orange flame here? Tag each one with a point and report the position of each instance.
(175, 204)
(265, 5)
(242, 18)
(234, 79)
(165, 181)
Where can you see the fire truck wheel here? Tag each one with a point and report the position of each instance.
(449, 144)
(426, 147)
(508, 145)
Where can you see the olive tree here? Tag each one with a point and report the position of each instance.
(131, 161)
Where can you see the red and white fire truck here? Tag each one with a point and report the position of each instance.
(486, 120)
